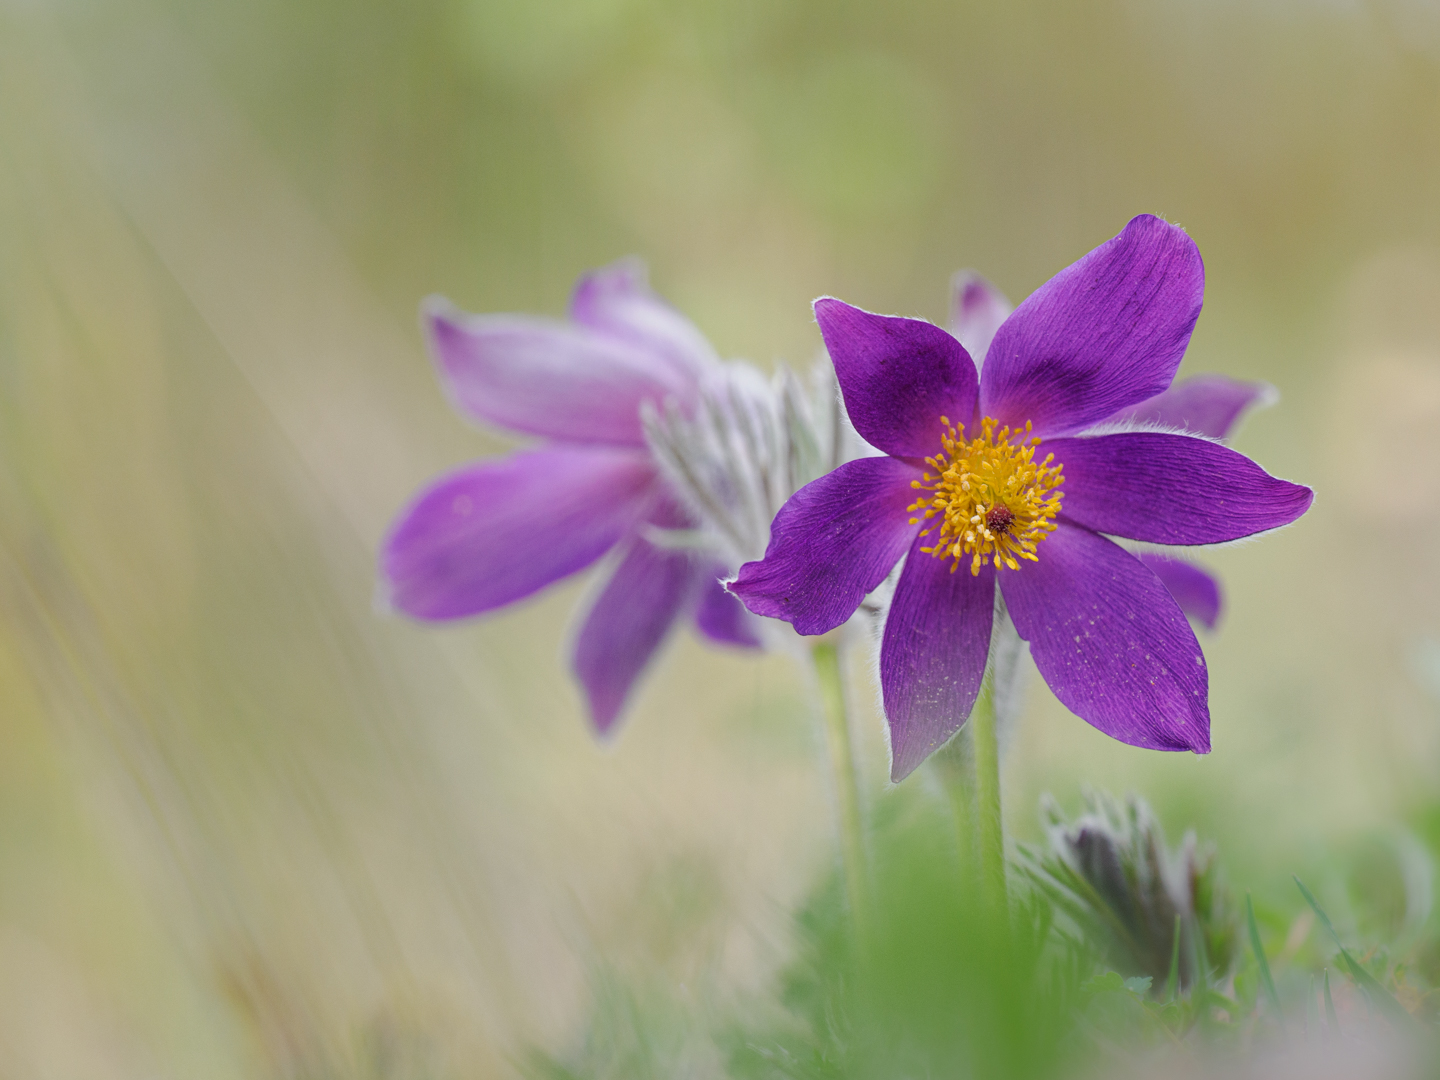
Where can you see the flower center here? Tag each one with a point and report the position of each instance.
(993, 499)
(999, 518)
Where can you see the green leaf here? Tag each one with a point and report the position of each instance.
(1223, 1001)
(1259, 949)
(1247, 988)
(1172, 981)
(1112, 982)
(1139, 986)
(1374, 990)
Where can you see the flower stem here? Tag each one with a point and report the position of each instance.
(826, 658)
(989, 825)
(954, 764)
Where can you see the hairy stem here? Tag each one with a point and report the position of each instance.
(954, 764)
(826, 658)
(989, 825)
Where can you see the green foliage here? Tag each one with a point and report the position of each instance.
(1263, 964)
(638, 1030)
(1375, 991)
(940, 986)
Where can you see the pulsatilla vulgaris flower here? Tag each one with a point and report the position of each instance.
(1209, 405)
(494, 532)
(1012, 478)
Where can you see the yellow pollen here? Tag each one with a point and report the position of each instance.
(994, 501)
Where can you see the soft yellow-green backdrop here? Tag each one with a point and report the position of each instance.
(250, 827)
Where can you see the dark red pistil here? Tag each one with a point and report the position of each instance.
(999, 519)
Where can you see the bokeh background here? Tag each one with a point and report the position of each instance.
(250, 827)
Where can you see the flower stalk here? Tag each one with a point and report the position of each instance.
(969, 770)
(955, 768)
(826, 658)
(989, 823)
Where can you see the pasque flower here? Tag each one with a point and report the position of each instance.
(1111, 873)
(495, 532)
(1014, 480)
(1210, 405)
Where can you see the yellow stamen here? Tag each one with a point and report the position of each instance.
(994, 500)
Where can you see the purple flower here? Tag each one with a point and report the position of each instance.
(494, 532)
(1209, 405)
(1016, 479)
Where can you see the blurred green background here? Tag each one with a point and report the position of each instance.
(250, 827)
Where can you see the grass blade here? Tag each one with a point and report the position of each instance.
(1200, 981)
(1330, 1017)
(1172, 981)
(1259, 950)
(1385, 1001)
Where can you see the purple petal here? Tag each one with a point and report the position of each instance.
(898, 377)
(1171, 489)
(977, 309)
(629, 622)
(1105, 333)
(492, 533)
(721, 617)
(932, 656)
(1112, 643)
(616, 300)
(1206, 404)
(831, 544)
(543, 377)
(1195, 590)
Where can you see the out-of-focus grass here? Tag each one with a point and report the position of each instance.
(939, 986)
(248, 826)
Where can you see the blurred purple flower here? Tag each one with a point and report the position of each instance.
(1209, 405)
(963, 487)
(494, 532)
